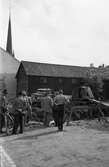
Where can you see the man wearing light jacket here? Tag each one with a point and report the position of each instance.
(60, 102)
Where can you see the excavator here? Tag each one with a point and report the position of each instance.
(85, 106)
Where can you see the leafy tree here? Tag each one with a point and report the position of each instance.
(94, 80)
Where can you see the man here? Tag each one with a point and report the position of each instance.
(3, 108)
(47, 104)
(86, 92)
(60, 101)
(18, 109)
(55, 109)
(28, 109)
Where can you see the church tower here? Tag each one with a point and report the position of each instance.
(9, 39)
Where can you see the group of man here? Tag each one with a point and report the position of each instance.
(21, 110)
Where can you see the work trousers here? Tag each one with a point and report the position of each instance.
(60, 116)
(55, 116)
(28, 115)
(18, 122)
(47, 118)
(2, 121)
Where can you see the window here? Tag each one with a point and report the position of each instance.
(43, 80)
(60, 80)
(73, 81)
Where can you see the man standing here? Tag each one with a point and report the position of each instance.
(60, 101)
(28, 108)
(3, 108)
(55, 109)
(18, 108)
(47, 104)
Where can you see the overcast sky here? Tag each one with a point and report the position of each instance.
(74, 32)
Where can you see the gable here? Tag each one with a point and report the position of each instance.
(21, 71)
(8, 64)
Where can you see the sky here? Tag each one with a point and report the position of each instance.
(71, 32)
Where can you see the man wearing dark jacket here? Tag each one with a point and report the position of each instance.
(18, 109)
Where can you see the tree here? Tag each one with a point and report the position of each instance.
(94, 80)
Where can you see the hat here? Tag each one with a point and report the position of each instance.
(24, 93)
(60, 91)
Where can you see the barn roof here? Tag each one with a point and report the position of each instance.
(53, 70)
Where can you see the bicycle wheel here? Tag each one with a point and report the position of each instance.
(9, 124)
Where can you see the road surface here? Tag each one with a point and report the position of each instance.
(77, 146)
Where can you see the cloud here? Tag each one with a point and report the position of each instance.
(60, 31)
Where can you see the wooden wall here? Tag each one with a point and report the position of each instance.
(55, 83)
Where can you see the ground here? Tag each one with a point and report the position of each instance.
(83, 144)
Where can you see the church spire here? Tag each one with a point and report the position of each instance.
(9, 38)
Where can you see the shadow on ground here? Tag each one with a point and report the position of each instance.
(35, 136)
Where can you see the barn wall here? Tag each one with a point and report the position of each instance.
(67, 84)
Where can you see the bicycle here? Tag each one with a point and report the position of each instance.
(9, 122)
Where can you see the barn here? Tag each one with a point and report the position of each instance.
(32, 75)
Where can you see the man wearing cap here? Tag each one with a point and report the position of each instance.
(3, 108)
(60, 101)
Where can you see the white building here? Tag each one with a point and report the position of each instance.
(8, 66)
